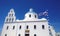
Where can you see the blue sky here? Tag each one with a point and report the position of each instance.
(22, 6)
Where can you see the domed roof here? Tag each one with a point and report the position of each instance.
(31, 11)
(31, 14)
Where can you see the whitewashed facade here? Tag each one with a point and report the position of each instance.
(58, 34)
(29, 26)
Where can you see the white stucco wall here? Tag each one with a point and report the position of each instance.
(38, 31)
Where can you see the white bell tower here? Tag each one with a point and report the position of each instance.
(11, 16)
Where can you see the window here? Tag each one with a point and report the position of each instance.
(34, 34)
(43, 27)
(18, 34)
(5, 34)
(50, 34)
(13, 27)
(9, 15)
(30, 15)
(49, 30)
(34, 26)
(20, 27)
(7, 19)
(11, 10)
(12, 14)
(35, 16)
(12, 19)
(58, 35)
(27, 27)
(7, 27)
(26, 34)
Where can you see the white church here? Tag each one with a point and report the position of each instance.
(31, 25)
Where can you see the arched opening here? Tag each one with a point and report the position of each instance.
(43, 27)
(30, 15)
(27, 27)
(26, 34)
(34, 34)
(19, 35)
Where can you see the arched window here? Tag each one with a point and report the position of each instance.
(49, 30)
(27, 26)
(9, 15)
(13, 27)
(5, 34)
(30, 15)
(50, 33)
(34, 34)
(43, 27)
(12, 14)
(12, 19)
(7, 20)
(35, 16)
(58, 35)
(34, 26)
(7, 27)
(18, 34)
(20, 27)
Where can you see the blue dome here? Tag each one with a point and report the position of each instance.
(31, 14)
